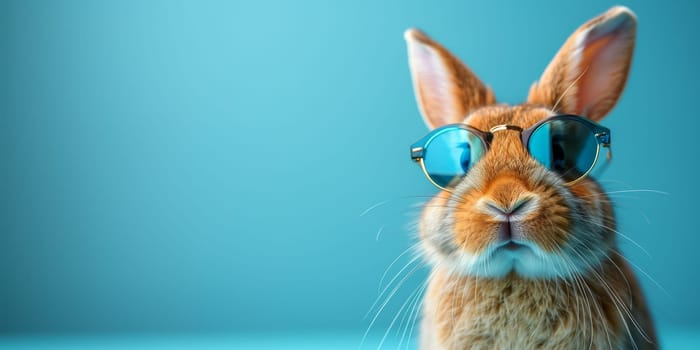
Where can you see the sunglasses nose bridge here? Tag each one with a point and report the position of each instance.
(510, 145)
(504, 127)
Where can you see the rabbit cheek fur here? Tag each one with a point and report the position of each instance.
(566, 286)
(568, 291)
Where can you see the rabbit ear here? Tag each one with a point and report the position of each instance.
(587, 75)
(446, 90)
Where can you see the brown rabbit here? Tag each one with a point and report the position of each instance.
(524, 255)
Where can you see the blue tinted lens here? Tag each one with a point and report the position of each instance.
(450, 154)
(567, 147)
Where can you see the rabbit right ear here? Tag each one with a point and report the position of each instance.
(587, 75)
(446, 90)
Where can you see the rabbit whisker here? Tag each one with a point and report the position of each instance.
(413, 247)
(396, 276)
(388, 299)
(615, 298)
(411, 317)
(618, 233)
(635, 266)
(380, 204)
(396, 316)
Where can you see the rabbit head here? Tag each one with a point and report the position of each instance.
(509, 213)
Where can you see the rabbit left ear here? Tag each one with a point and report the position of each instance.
(588, 74)
(446, 90)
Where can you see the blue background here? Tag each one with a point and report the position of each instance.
(203, 166)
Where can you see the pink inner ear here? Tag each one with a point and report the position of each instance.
(597, 64)
(432, 84)
(604, 62)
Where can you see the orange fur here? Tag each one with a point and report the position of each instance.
(571, 289)
(518, 313)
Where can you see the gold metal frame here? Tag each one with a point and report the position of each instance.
(595, 160)
(504, 127)
(425, 172)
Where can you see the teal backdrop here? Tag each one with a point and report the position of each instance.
(243, 166)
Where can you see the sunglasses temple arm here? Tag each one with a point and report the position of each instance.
(601, 168)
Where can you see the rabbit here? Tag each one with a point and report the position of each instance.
(556, 278)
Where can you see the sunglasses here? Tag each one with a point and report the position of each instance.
(567, 145)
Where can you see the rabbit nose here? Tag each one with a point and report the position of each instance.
(516, 210)
(509, 216)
